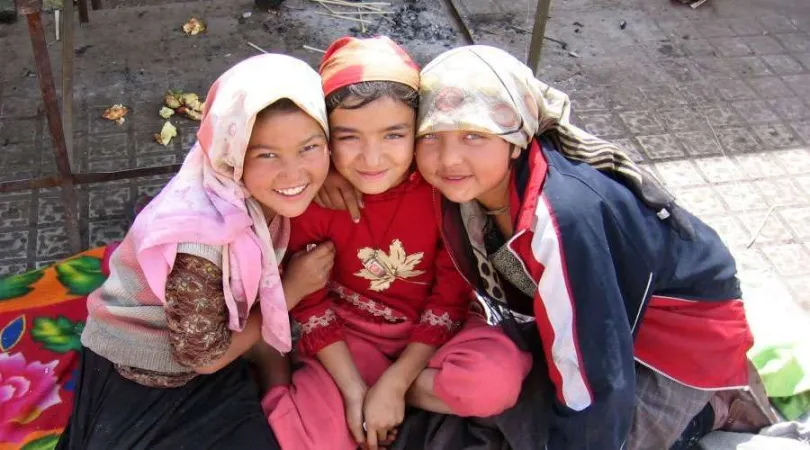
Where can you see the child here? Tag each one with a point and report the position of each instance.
(638, 309)
(195, 282)
(392, 328)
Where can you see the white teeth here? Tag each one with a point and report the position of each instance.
(290, 192)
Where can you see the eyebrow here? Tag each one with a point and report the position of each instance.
(399, 126)
(271, 147)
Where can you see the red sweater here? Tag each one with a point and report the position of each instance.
(410, 277)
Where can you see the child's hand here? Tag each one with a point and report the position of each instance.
(338, 193)
(354, 414)
(307, 272)
(384, 410)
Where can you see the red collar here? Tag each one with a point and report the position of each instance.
(523, 214)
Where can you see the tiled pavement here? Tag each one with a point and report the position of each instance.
(715, 101)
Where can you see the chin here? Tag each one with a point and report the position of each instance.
(457, 196)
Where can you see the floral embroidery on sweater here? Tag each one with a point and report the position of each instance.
(316, 322)
(443, 320)
(366, 304)
(383, 268)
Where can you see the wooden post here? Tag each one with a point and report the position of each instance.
(32, 10)
(67, 75)
(538, 34)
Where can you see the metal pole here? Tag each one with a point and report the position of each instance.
(67, 75)
(538, 34)
(84, 14)
(31, 9)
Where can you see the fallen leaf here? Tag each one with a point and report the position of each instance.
(116, 113)
(191, 100)
(193, 115)
(166, 112)
(193, 27)
(166, 134)
(172, 100)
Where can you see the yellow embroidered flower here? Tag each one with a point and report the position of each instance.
(383, 268)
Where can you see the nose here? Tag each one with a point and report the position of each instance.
(371, 154)
(449, 154)
(292, 170)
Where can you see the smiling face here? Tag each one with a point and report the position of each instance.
(286, 162)
(372, 146)
(465, 165)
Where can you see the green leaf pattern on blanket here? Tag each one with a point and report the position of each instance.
(18, 285)
(81, 275)
(58, 335)
(44, 443)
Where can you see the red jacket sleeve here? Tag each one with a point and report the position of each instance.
(447, 306)
(317, 322)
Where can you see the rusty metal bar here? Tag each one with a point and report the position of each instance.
(538, 34)
(85, 178)
(32, 11)
(67, 75)
(84, 14)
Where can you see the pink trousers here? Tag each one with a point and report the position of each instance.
(480, 372)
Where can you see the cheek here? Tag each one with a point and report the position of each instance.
(317, 168)
(403, 152)
(489, 166)
(257, 176)
(426, 160)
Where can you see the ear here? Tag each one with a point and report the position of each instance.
(515, 152)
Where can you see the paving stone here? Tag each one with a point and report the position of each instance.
(773, 231)
(784, 64)
(730, 46)
(803, 181)
(701, 93)
(641, 122)
(19, 106)
(758, 166)
(13, 268)
(51, 211)
(591, 99)
(720, 169)
(791, 108)
(763, 45)
(745, 26)
(699, 47)
(104, 232)
(720, 115)
(794, 161)
(732, 90)
(750, 259)
(788, 259)
(798, 219)
(800, 286)
(52, 243)
(737, 140)
(755, 111)
(683, 119)
(662, 146)
(15, 212)
(678, 174)
(803, 130)
(781, 192)
(701, 201)
(729, 228)
(777, 24)
(741, 197)
(602, 124)
(749, 66)
(776, 135)
(13, 245)
(699, 143)
(799, 84)
(795, 42)
(111, 201)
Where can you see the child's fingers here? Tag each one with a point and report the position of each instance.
(371, 439)
(352, 203)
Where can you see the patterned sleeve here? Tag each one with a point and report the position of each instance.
(196, 312)
(447, 306)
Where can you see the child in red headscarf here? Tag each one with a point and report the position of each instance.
(392, 328)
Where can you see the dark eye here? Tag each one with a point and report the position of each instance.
(473, 136)
(346, 137)
(310, 147)
(267, 155)
(392, 136)
(428, 137)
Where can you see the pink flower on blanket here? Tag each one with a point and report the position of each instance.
(26, 390)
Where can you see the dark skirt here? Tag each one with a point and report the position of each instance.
(218, 411)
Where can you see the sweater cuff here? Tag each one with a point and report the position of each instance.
(435, 329)
(318, 332)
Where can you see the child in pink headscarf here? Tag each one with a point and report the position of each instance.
(195, 283)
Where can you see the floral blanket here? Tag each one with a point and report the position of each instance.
(42, 315)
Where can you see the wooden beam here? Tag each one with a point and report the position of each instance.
(538, 34)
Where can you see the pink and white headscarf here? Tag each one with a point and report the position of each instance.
(207, 203)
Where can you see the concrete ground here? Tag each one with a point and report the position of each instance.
(715, 101)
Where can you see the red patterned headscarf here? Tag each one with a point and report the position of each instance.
(350, 60)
